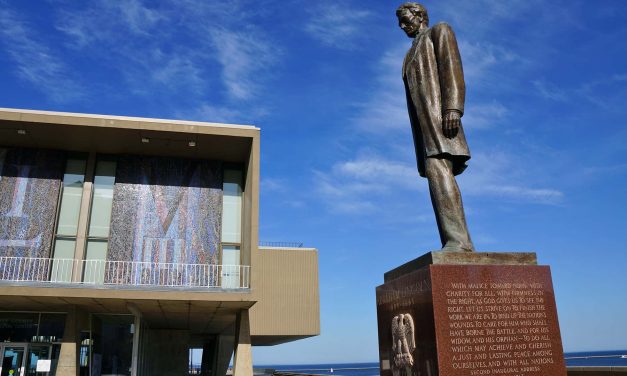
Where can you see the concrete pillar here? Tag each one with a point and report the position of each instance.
(70, 347)
(226, 345)
(209, 355)
(83, 219)
(243, 359)
(136, 337)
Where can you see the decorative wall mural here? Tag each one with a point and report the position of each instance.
(30, 180)
(403, 344)
(166, 210)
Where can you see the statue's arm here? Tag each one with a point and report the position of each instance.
(415, 128)
(451, 76)
(411, 109)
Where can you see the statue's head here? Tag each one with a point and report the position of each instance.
(412, 17)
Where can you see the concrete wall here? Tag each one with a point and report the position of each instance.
(287, 294)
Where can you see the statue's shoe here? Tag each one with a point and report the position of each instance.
(457, 248)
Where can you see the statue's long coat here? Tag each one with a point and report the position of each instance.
(434, 83)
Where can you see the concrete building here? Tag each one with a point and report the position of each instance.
(127, 242)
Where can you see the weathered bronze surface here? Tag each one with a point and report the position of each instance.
(435, 91)
(462, 258)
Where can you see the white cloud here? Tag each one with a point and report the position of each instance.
(481, 58)
(105, 21)
(483, 115)
(374, 173)
(371, 183)
(137, 41)
(37, 63)
(550, 91)
(272, 184)
(243, 57)
(496, 174)
(484, 238)
(353, 186)
(224, 113)
(294, 204)
(337, 24)
(619, 77)
(139, 18)
(182, 70)
(603, 171)
(146, 38)
(480, 16)
(608, 93)
(354, 207)
(217, 114)
(386, 109)
(541, 196)
(247, 55)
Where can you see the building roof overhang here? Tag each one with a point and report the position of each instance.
(202, 312)
(125, 135)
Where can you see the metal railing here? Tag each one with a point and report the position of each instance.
(123, 273)
(281, 244)
(30, 269)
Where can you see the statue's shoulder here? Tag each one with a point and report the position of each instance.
(441, 27)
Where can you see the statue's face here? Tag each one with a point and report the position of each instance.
(409, 23)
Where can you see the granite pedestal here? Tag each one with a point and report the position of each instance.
(469, 314)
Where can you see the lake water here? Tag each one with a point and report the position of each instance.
(345, 369)
(596, 358)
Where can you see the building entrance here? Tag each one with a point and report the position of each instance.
(20, 359)
(12, 359)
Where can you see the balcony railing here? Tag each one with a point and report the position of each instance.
(123, 273)
(281, 244)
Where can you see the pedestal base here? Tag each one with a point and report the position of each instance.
(447, 315)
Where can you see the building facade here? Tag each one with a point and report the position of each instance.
(125, 243)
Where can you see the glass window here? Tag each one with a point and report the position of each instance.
(67, 224)
(64, 248)
(36, 353)
(230, 273)
(63, 262)
(232, 207)
(71, 196)
(96, 259)
(100, 220)
(51, 327)
(102, 203)
(83, 357)
(12, 359)
(3, 154)
(18, 326)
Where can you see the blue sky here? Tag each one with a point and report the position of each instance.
(545, 120)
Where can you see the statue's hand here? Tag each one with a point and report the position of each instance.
(451, 123)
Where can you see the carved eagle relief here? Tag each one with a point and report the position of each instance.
(403, 341)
